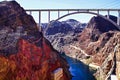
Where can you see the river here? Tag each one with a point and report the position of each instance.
(78, 70)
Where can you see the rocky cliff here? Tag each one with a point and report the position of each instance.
(63, 33)
(24, 53)
(117, 70)
(95, 45)
(98, 41)
(98, 37)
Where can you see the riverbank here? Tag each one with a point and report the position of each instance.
(87, 62)
(78, 69)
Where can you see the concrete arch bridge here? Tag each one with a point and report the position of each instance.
(76, 11)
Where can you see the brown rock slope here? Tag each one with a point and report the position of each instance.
(118, 62)
(99, 37)
(96, 45)
(24, 53)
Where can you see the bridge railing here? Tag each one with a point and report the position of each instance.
(58, 11)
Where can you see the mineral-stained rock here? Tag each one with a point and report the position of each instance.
(62, 33)
(98, 40)
(31, 63)
(13, 15)
(118, 62)
(13, 23)
(99, 37)
(24, 53)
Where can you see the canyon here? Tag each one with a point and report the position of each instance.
(94, 45)
(25, 54)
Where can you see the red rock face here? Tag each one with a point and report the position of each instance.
(95, 38)
(31, 63)
(13, 15)
(31, 56)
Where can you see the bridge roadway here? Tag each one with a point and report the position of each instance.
(75, 11)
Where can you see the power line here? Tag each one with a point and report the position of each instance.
(111, 4)
(104, 4)
(116, 6)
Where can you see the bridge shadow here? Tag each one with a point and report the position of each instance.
(78, 69)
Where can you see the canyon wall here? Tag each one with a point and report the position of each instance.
(24, 52)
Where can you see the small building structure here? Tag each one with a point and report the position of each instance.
(57, 74)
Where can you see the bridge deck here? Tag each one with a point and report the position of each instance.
(96, 11)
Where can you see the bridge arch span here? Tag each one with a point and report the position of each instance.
(87, 12)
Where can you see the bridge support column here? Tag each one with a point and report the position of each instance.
(108, 14)
(48, 16)
(58, 13)
(98, 11)
(118, 19)
(40, 28)
(30, 12)
(39, 18)
(68, 11)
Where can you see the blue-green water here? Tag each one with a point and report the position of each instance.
(78, 70)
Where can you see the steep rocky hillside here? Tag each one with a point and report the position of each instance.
(96, 36)
(63, 33)
(24, 53)
(97, 43)
(118, 62)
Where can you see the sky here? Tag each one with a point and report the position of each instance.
(68, 4)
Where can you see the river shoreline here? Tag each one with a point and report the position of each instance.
(78, 69)
(87, 62)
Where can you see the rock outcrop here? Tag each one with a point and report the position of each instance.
(63, 33)
(118, 62)
(98, 37)
(96, 43)
(98, 40)
(24, 53)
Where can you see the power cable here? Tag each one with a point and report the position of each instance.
(106, 4)
(116, 6)
(111, 4)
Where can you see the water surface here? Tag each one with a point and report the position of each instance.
(78, 70)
